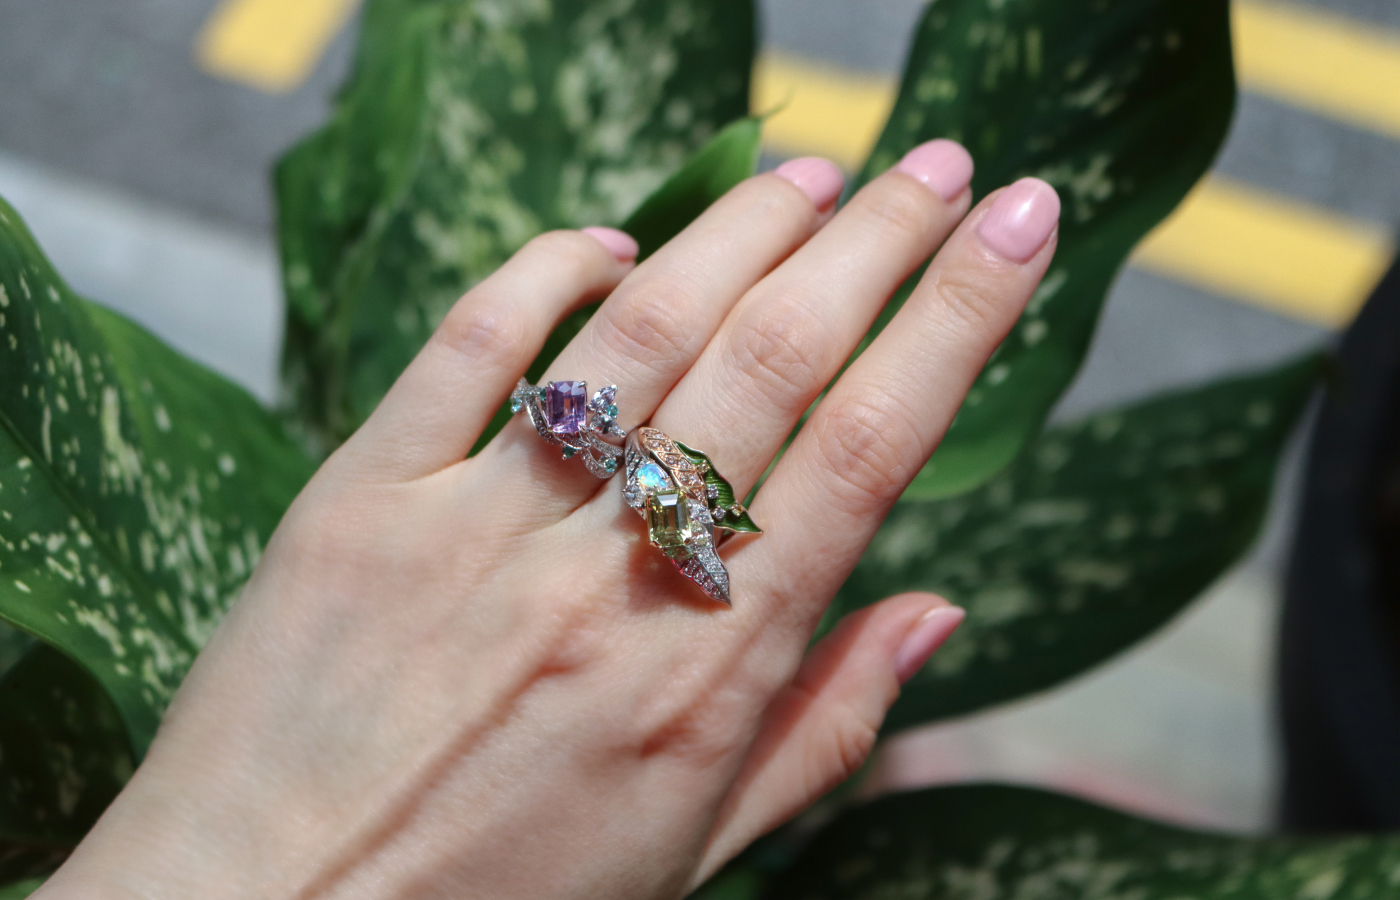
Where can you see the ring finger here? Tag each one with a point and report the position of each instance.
(789, 337)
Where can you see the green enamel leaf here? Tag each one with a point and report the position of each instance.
(724, 494)
(137, 488)
(1101, 532)
(1121, 106)
(994, 841)
(469, 127)
(729, 158)
(65, 750)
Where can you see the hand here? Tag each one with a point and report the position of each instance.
(475, 677)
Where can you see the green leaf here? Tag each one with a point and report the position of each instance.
(65, 750)
(724, 496)
(21, 889)
(469, 128)
(993, 841)
(13, 645)
(1121, 106)
(729, 158)
(137, 488)
(1101, 532)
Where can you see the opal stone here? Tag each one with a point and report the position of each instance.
(566, 406)
(668, 520)
(651, 479)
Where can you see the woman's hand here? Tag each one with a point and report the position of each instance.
(476, 678)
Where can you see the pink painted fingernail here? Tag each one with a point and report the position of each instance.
(926, 636)
(818, 178)
(942, 165)
(619, 243)
(1021, 220)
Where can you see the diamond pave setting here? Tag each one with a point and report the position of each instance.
(673, 488)
(565, 416)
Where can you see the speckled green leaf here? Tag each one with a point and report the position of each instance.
(1121, 105)
(986, 841)
(64, 753)
(469, 127)
(13, 645)
(729, 158)
(1096, 536)
(136, 487)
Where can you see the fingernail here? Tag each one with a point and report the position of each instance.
(926, 636)
(942, 165)
(1021, 220)
(619, 243)
(818, 178)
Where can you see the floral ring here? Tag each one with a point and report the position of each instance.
(685, 502)
(564, 416)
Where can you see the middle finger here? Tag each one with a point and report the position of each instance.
(790, 335)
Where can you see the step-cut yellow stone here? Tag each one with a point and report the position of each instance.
(668, 521)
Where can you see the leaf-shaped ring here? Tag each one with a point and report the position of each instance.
(684, 501)
(564, 416)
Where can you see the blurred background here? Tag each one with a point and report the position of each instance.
(136, 138)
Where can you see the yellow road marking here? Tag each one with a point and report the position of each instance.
(821, 111)
(271, 45)
(1293, 259)
(1320, 61)
(1226, 238)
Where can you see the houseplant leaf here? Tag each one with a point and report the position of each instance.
(994, 841)
(525, 117)
(137, 488)
(1121, 106)
(727, 159)
(65, 750)
(1101, 532)
(20, 889)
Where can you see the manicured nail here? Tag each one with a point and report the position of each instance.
(942, 165)
(619, 243)
(926, 636)
(1021, 220)
(818, 178)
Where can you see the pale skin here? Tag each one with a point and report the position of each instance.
(473, 677)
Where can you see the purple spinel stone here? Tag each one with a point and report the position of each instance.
(566, 406)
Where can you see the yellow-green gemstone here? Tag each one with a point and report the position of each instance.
(668, 520)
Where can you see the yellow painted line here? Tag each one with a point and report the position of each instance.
(821, 110)
(271, 45)
(1320, 61)
(1294, 259)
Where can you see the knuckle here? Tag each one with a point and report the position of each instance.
(652, 323)
(778, 347)
(851, 740)
(902, 211)
(863, 446)
(969, 301)
(685, 721)
(485, 330)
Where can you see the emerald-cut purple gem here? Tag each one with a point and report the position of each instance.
(566, 406)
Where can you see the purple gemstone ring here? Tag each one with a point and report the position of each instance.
(563, 414)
